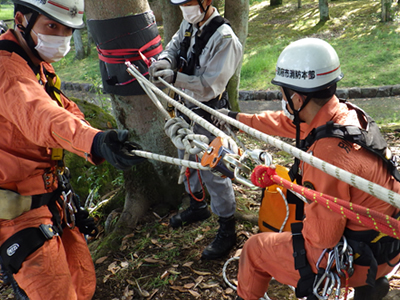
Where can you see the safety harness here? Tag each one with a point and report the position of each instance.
(23, 243)
(188, 66)
(370, 247)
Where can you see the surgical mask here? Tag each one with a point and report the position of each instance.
(52, 48)
(192, 13)
(286, 111)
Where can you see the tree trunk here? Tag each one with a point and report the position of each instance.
(172, 18)
(298, 3)
(152, 182)
(275, 2)
(323, 10)
(237, 12)
(218, 4)
(79, 50)
(386, 5)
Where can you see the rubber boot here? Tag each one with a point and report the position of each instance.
(197, 211)
(367, 292)
(224, 241)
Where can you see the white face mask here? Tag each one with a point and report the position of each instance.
(286, 111)
(193, 14)
(52, 48)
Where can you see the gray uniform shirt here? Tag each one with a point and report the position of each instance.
(218, 61)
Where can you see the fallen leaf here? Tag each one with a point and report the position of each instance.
(229, 291)
(201, 273)
(101, 259)
(124, 264)
(194, 293)
(238, 252)
(188, 285)
(188, 264)
(178, 288)
(165, 274)
(154, 261)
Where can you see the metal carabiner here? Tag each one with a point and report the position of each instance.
(69, 209)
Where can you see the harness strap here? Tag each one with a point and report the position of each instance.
(200, 42)
(307, 276)
(22, 244)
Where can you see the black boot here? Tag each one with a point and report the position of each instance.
(197, 211)
(367, 292)
(224, 241)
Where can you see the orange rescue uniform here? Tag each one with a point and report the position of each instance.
(32, 124)
(268, 255)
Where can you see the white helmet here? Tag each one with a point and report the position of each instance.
(179, 2)
(308, 65)
(66, 12)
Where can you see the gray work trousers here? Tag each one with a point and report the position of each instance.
(222, 197)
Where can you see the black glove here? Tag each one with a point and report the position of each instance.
(85, 224)
(114, 147)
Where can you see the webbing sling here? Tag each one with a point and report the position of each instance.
(307, 276)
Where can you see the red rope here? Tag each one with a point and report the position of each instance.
(187, 174)
(142, 53)
(263, 176)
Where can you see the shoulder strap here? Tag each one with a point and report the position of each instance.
(184, 47)
(201, 41)
(369, 138)
(11, 46)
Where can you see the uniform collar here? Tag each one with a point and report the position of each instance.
(334, 111)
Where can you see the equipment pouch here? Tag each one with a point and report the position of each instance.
(273, 209)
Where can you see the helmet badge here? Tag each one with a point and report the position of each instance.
(73, 11)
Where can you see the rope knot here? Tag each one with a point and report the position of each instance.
(262, 176)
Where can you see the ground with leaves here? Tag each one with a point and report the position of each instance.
(157, 262)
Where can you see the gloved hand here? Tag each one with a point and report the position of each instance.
(168, 75)
(219, 122)
(85, 223)
(159, 65)
(113, 145)
(230, 144)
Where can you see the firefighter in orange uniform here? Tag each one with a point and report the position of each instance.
(307, 71)
(42, 254)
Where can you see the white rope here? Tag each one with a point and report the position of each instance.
(170, 160)
(367, 186)
(193, 116)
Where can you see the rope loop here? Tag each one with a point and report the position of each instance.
(262, 176)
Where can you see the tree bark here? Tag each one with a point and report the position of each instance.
(172, 18)
(237, 12)
(298, 3)
(275, 2)
(386, 5)
(152, 182)
(79, 50)
(323, 10)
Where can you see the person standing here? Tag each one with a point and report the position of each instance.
(200, 59)
(42, 245)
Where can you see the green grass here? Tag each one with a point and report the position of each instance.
(6, 11)
(368, 49)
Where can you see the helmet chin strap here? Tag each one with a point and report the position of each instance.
(205, 10)
(26, 33)
(296, 112)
